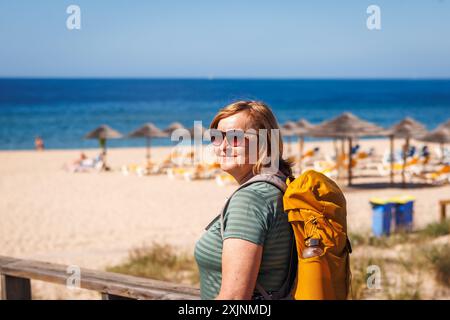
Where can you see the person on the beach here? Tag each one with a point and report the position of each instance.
(257, 237)
(80, 159)
(39, 143)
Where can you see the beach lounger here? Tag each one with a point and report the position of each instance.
(327, 168)
(139, 169)
(86, 165)
(440, 176)
(202, 171)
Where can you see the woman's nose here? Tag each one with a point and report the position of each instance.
(224, 144)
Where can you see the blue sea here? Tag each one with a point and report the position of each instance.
(62, 111)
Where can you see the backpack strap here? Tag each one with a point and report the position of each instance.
(275, 180)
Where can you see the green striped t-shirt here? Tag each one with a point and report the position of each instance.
(255, 213)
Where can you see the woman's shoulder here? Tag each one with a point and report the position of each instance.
(264, 189)
(258, 194)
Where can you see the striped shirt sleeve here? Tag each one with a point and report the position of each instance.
(247, 217)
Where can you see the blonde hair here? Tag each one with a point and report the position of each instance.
(260, 117)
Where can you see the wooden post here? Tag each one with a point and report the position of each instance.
(349, 161)
(148, 149)
(300, 162)
(405, 157)
(392, 159)
(340, 160)
(15, 288)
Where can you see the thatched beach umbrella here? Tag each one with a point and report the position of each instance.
(445, 125)
(439, 135)
(172, 127)
(407, 128)
(346, 126)
(148, 131)
(103, 133)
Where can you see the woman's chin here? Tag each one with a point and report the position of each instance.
(227, 167)
(228, 163)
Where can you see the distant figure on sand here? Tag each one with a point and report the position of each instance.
(39, 143)
(80, 159)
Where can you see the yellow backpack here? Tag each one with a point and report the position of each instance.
(316, 209)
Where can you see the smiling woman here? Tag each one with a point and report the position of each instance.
(251, 246)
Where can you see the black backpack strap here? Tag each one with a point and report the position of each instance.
(285, 290)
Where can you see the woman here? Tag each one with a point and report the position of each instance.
(257, 237)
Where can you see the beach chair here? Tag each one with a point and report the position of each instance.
(139, 169)
(176, 172)
(87, 165)
(311, 155)
(176, 159)
(202, 171)
(384, 168)
(327, 168)
(445, 156)
(440, 176)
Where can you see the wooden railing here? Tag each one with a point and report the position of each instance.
(17, 273)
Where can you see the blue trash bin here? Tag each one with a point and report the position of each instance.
(381, 216)
(403, 213)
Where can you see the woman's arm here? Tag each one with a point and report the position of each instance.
(240, 266)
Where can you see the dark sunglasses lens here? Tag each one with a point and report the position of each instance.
(216, 137)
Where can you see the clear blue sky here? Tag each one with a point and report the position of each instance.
(225, 38)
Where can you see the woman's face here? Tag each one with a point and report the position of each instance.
(234, 159)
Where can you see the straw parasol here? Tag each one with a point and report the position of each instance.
(346, 126)
(439, 135)
(172, 127)
(303, 129)
(103, 133)
(407, 128)
(446, 124)
(148, 131)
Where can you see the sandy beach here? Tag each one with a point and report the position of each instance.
(94, 219)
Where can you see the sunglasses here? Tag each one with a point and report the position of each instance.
(235, 138)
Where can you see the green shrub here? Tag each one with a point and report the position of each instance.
(436, 229)
(160, 262)
(439, 256)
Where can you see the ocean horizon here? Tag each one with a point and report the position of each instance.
(63, 110)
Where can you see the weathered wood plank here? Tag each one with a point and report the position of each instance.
(6, 260)
(14, 288)
(105, 282)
